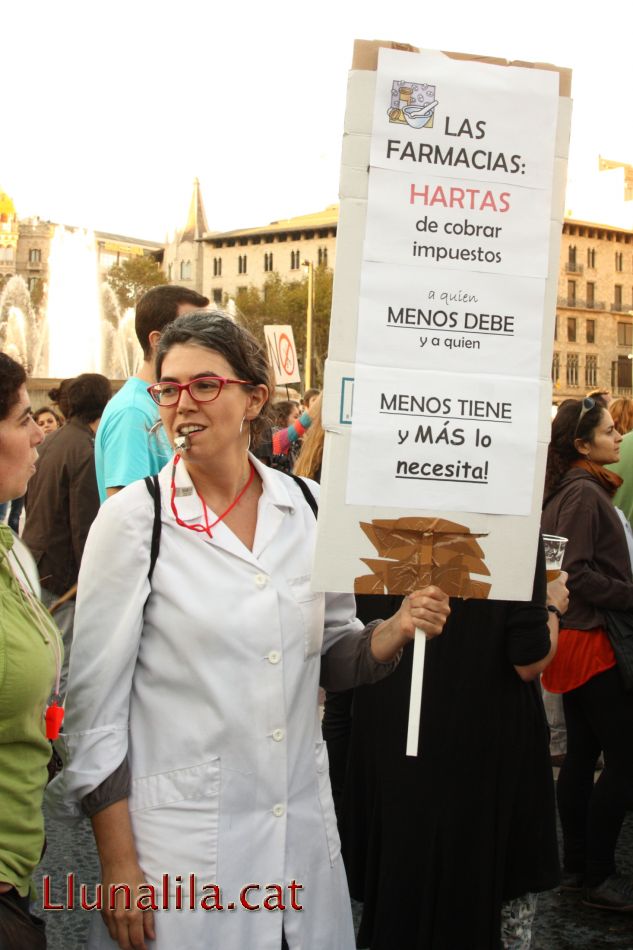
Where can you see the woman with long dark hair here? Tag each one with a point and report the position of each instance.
(598, 709)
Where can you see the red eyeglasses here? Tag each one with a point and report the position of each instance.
(204, 389)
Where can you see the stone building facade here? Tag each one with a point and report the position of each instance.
(593, 346)
(220, 264)
(236, 259)
(9, 231)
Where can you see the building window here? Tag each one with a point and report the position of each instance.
(571, 293)
(241, 264)
(625, 334)
(217, 266)
(268, 261)
(295, 260)
(35, 255)
(591, 372)
(572, 369)
(619, 260)
(555, 368)
(590, 326)
(185, 270)
(6, 255)
(571, 257)
(32, 283)
(556, 327)
(571, 329)
(217, 295)
(621, 373)
(322, 257)
(591, 295)
(169, 270)
(617, 297)
(591, 257)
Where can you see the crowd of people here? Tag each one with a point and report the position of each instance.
(159, 633)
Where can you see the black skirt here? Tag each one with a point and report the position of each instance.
(433, 845)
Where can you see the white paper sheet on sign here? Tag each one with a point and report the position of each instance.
(484, 122)
(413, 219)
(437, 320)
(443, 441)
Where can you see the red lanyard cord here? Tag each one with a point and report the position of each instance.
(206, 527)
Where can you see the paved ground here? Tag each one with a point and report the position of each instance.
(563, 922)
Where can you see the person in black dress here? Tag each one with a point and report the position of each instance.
(447, 850)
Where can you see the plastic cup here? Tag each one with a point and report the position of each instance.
(554, 546)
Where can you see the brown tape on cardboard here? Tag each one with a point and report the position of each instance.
(365, 56)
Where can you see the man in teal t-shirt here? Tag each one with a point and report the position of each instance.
(125, 449)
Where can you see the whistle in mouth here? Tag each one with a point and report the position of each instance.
(182, 443)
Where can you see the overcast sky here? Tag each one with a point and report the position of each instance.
(109, 111)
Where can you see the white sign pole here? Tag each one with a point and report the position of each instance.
(415, 702)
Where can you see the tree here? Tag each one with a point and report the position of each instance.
(37, 293)
(134, 277)
(285, 302)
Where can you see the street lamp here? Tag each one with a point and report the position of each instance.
(308, 266)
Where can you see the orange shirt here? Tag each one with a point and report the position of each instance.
(581, 655)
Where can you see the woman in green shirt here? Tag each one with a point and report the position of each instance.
(30, 664)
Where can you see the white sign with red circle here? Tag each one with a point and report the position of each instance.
(282, 354)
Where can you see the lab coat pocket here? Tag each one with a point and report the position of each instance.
(175, 818)
(312, 607)
(326, 801)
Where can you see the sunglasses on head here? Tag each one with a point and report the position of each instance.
(587, 405)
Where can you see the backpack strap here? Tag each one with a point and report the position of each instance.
(307, 494)
(151, 483)
(153, 487)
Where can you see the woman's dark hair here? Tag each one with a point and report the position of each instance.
(567, 426)
(12, 376)
(40, 412)
(213, 330)
(59, 395)
(601, 396)
(281, 410)
(88, 395)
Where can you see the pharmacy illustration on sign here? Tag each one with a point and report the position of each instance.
(412, 103)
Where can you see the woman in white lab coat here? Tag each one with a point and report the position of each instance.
(192, 729)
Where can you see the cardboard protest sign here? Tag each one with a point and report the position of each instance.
(282, 353)
(437, 392)
(437, 388)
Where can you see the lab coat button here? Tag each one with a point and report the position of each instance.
(278, 810)
(278, 735)
(261, 580)
(274, 656)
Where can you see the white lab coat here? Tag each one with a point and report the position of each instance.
(212, 694)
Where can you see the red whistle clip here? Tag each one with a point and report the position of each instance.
(54, 720)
